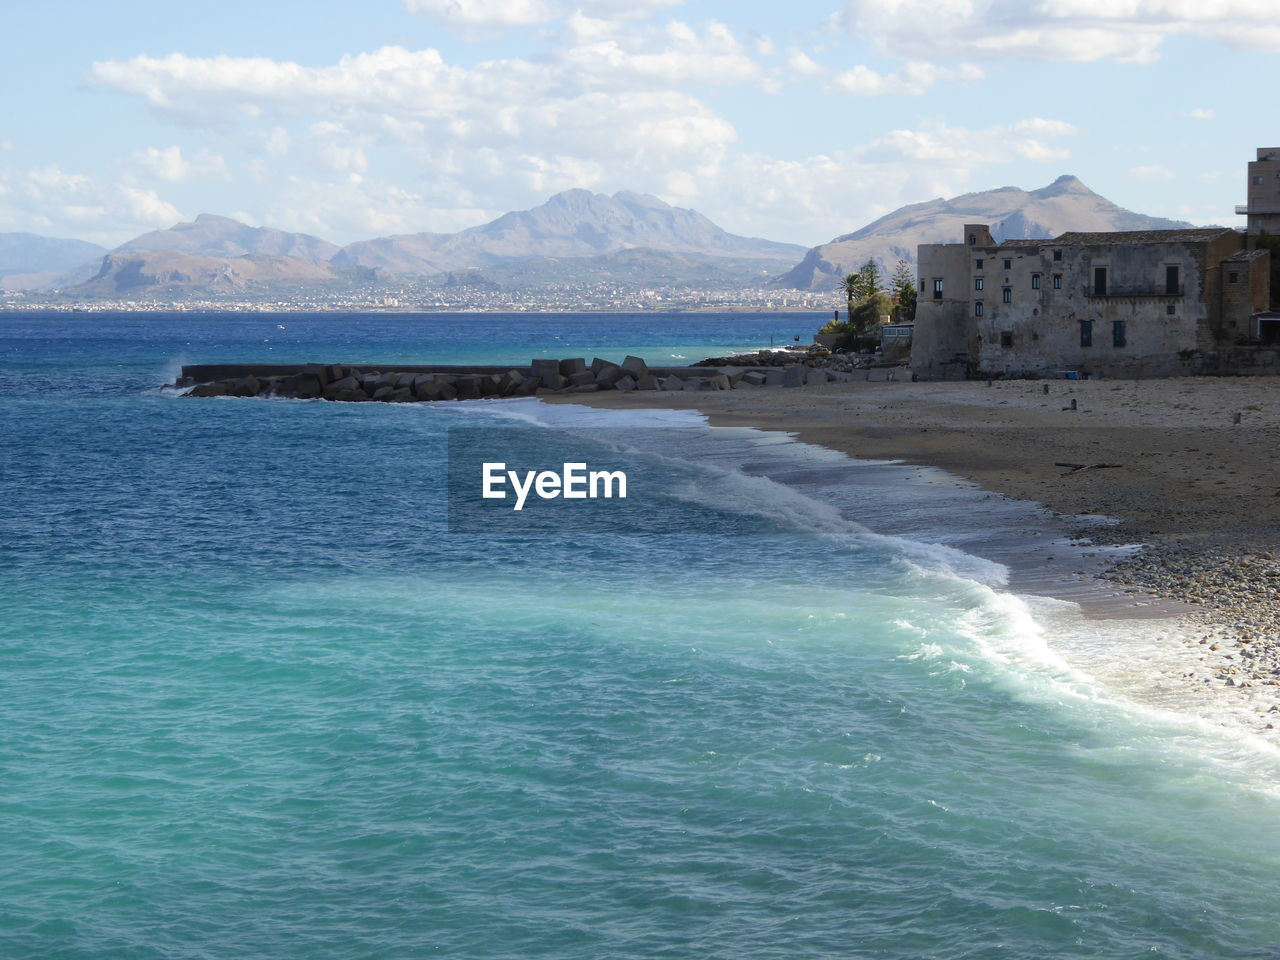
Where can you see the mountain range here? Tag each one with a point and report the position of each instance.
(1066, 204)
(575, 237)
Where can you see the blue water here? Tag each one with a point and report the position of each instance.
(257, 701)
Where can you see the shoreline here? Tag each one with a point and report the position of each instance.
(1197, 492)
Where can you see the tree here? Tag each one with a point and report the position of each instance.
(902, 287)
(870, 280)
(852, 287)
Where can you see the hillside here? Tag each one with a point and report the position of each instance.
(212, 236)
(1066, 204)
(29, 261)
(573, 224)
(167, 271)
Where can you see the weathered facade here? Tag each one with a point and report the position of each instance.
(1123, 304)
(1263, 208)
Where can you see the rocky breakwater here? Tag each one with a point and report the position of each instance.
(345, 383)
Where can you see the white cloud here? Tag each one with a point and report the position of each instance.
(6, 145)
(913, 79)
(1080, 30)
(1199, 113)
(614, 103)
(170, 165)
(524, 13)
(50, 200)
(1152, 173)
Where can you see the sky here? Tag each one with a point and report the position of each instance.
(796, 121)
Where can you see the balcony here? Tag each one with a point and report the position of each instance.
(1242, 208)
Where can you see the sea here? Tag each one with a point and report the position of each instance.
(263, 695)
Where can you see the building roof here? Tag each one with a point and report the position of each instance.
(1026, 242)
(1194, 235)
(1246, 255)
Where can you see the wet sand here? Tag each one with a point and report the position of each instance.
(1199, 491)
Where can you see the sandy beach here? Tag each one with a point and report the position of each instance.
(1198, 490)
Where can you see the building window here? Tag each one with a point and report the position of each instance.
(1118, 334)
(1006, 295)
(1257, 180)
(977, 308)
(937, 289)
(1057, 254)
(977, 283)
(1035, 281)
(1171, 280)
(1233, 277)
(972, 240)
(1008, 264)
(979, 262)
(1171, 309)
(1086, 333)
(1057, 281)
(1099, 281)
(1006, 339)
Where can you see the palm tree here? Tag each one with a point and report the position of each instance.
(852, 287)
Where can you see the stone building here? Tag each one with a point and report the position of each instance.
(1121, 304)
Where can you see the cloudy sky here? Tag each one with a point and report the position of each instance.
(796, 120)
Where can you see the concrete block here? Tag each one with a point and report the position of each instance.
(636, 367)
(597, 365)
(793, 376)
(219, 389)
(402, 395)
(671, 383)
(468, 388)
(545, 367)
(752, 378)
(774, 378)
(382, 393)
(625, 384)
(815, 376)
(584, 387)
(609, 375)
(582, 378)
(647, 382)
(510, 382)
(719, 382)
(246, 387)
(569, 367)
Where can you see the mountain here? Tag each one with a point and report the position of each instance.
(210, 236)
(576, 223)
(1066, 204)
(28, 261)
(159, 271)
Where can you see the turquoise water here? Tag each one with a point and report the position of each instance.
(256, 700)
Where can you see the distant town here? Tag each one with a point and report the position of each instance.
(422, 297)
